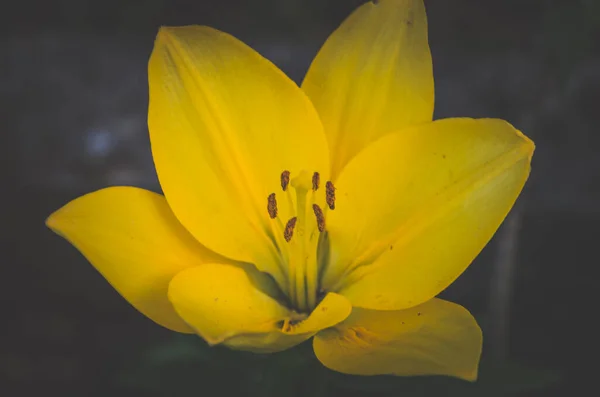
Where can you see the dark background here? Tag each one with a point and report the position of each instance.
(73, 98)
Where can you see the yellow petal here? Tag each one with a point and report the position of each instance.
(373, 76)
(415, 208)
(435, 338)
(330, 311)
(240, 307)
(224, 124)
(133, 239)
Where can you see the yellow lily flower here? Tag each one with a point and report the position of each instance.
(337, 210)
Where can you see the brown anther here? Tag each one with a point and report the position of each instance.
(330, 195)
(272, 206)
(320, 218)
(285, 180)
(316, 181)
(289, 229)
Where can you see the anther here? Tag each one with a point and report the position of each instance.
(285, 180)
(272, 206)
(320, 218)
(316, 181)
(330, 195)
(289, 229)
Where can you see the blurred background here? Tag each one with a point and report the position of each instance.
(73, 101)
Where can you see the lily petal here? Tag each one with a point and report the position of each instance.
(133, 239)
(224, 124)
(435, 338)
(240, 307)
(415, 208)
(372, 76)
(330, 311)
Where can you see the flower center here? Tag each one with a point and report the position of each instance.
(301, 235)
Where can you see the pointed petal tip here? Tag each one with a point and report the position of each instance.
(169, 33)
(57, 220)
(165, 35)
(166, 31)
(379, 52)
(486, 161)
(470, 376)
(50, 221)
(163, 32)
(131, 237)
(527, 143)
(527, 147)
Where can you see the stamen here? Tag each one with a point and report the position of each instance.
(301, 256)
(320, 218)
(285, 180)
(330, 195)
(272, 206)
(316, 181)
(289, 229)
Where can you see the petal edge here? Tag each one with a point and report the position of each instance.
(224, 123)
(133, 239)
(435, 338)
(373, 76)
(397, 244)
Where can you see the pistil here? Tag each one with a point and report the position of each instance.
(300, 258)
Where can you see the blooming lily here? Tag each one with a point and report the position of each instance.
(336, 210)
